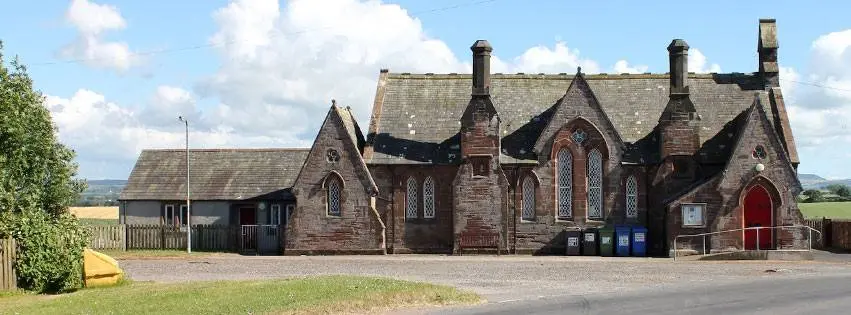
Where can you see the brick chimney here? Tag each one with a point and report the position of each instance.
(481, 67)
(767, 49)
(678, 58)
(679, 124)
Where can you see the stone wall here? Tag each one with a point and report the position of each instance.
(311, 229)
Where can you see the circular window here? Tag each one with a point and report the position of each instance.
(759, 152)
(332, 156)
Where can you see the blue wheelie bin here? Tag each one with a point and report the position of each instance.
(639, 241)
(622, 240)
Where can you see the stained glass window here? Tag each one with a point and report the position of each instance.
(595, 184)
(428, 198)
(579, 136)
(759, 152)
(333, 196)
(411, 202)
(631, 197)
(528, 205)
(332, 156)
(564, 161)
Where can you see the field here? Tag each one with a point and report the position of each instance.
(95, 212)
(317, 295)
(830, 210)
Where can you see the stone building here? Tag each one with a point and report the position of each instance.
(526, 157)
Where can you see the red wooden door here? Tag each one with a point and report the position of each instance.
(247, 216)
(758, 212)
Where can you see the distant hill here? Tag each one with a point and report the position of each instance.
(108, 182)
(102, 192)
(812, 181)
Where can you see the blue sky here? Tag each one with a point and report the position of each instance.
(226, 63)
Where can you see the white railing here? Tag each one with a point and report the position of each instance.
(757, 228)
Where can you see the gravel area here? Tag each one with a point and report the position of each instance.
(498, 279)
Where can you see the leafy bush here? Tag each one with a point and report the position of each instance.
(813, 195)
(37, 183)
(50, 250)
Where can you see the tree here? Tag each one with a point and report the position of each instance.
(813, 195)
(37, 184)
(839, 189)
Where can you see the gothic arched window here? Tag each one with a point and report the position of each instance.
(428, 198)
(411, 200)
(528, 201)
(595, 184)
(631, 197)
(565, 183)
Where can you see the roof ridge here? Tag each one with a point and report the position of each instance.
(229, 150)
(563, 76)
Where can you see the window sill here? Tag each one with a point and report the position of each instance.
(528, 220)
(420, 220)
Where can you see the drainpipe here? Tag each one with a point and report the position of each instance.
(383, 244)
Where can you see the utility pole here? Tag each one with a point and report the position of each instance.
(188, 209)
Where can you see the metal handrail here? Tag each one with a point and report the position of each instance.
(704, 235)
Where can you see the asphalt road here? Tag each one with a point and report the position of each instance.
(776, 296)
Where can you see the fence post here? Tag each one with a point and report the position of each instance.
(810, 240)
(757, 239)
(704, 245)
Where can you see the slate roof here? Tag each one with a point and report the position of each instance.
(416, 119)
(215, 174)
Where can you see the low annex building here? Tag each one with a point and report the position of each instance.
(526, 157)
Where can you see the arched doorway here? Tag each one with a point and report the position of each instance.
(758, 211)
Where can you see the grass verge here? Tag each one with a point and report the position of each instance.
(830, 210)
(314, 295)
(90, 221)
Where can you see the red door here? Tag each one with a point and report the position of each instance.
(247, 216)
(758, 213)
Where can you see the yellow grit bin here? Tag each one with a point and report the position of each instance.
(100, 269)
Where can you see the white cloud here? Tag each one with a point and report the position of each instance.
(820, 107)
(92, 20)
(622, 66)
(697, 63)
(108, 137)
(558, 59)
(286, 65)
(279, 69)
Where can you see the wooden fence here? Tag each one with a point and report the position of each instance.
(204, 237)
(836, 234)
(8, 279)
(108, 237)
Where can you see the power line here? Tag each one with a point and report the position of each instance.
(210, 45)
(817, 85)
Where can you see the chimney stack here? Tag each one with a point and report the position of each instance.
(678, 58)
(481, 67)
(767, 49)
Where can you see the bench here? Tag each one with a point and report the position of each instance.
(479, 240)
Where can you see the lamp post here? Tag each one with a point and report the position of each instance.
(188, 209)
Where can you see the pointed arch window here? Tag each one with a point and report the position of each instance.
(564, 162)
(333, 189)
(595, 184)
(631, 197)
(428, 198)
(528, 202)
(411, 199)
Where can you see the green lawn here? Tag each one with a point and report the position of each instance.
(830, 210)
(328, 294)
(87, 221)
